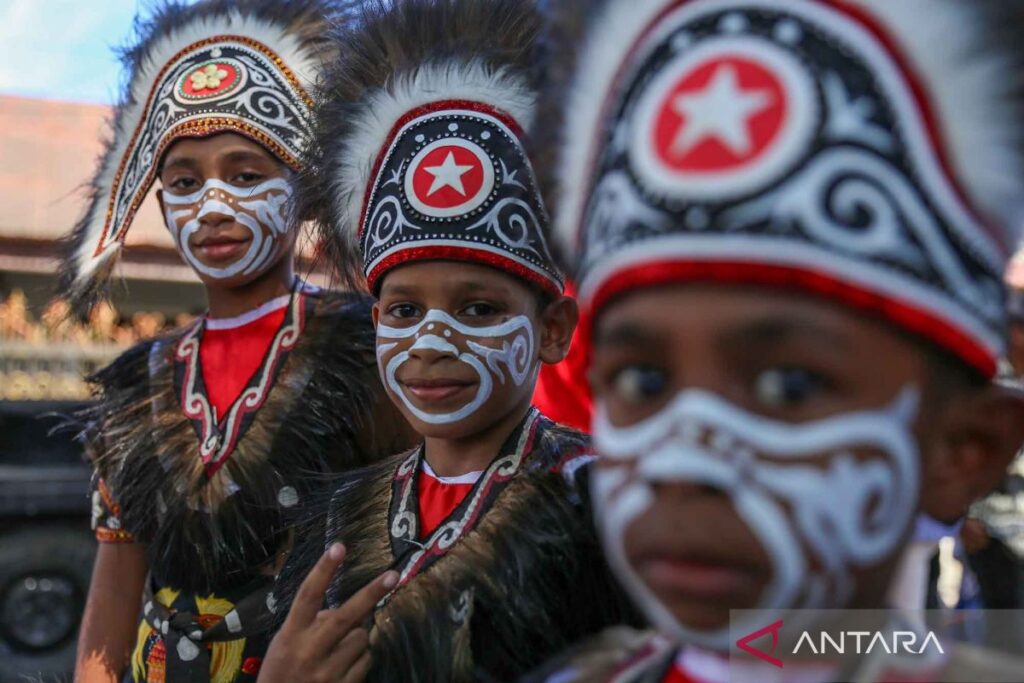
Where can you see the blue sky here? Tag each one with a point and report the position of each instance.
(61, 49)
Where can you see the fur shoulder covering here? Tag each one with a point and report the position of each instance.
(209, 528)
(485, 599)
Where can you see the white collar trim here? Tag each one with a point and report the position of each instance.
(467, 478)
(275, 304)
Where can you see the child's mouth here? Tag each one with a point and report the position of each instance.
(221, 249)
(428, 390)
(698, 578)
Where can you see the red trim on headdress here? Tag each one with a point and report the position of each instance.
(468, 254)
(941, 332)
(430, 108)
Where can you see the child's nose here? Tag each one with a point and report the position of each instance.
(213, 216)
(432, 347)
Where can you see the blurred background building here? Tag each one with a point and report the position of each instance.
(49, 148)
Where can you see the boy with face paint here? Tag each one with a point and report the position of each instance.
(491, 562)
(199, 438)
(789, 220)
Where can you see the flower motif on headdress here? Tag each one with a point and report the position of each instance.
(209, 77)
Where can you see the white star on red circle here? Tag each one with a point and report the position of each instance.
(722, 110)
(448, 174)
(449, 177)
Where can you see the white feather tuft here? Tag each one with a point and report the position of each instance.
(381, 109)
(89, 264)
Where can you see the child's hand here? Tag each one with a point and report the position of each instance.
(318, 645)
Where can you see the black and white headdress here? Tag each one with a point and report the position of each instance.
(421, 137)
(865, 150)
(240, 66)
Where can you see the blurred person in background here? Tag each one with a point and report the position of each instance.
(199, 436)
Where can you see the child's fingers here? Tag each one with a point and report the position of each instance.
(310, 597)
(353, 647)
(359, 607)
(357, 672)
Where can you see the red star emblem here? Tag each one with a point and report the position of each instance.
(723, 119)
(721, 114)
(449, 177)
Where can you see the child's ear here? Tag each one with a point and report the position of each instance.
(375, 313)
(557, 324)
(978, 436)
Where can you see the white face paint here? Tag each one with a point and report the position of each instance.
(823, 497)
(260, 209)
(477, 347)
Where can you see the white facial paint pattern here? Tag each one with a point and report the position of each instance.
(439, 331)
(260, 209)
(823, 498)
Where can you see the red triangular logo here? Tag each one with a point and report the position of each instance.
(744, 643)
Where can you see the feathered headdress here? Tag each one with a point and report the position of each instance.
(864, 150)
(240, 66)
(420, 139)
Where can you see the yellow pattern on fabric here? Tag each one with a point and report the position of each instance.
(140, 672)
(226, 657)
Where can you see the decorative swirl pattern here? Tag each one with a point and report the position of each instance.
(387, 222)
(823, 498)
(852, 200)
(513, 222)
(514, 355)
(615, 209)
(269, 106)
(192, 403)
(404, 525)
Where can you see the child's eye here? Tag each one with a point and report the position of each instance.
(638, 384)
(480, 310)
(247, 177)
(184, 183)
(788, 387)
(403, 311)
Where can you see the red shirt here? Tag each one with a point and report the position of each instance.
(439, 496)
(233, 349)
(563, 393)
(678, 675)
